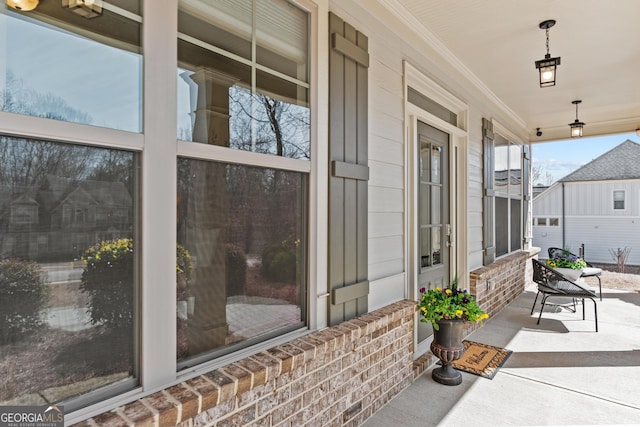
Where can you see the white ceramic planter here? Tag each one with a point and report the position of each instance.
(570, 273)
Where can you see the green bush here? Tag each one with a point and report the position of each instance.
(108, 280)
(279, 262)
(236, 269)
(22, 297)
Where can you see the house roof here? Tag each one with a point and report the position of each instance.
(621, 162)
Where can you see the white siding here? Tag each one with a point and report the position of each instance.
(589, 219)
(388, 47)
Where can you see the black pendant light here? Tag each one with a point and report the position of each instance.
(577, 125)
(547, 66)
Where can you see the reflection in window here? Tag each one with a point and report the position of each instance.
(54, 66)
(228, 97)
(508, 204)
(242, 274)
(66, 272)
(430, 202)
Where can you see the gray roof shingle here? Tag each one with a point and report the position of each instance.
(621, 162)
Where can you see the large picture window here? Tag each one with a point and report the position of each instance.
(67, 271)
(89, 196)
(243, 85)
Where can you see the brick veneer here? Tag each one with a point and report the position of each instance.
(497, 284)
(334, 377)
(338, 376)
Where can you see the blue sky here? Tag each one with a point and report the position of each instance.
(563, 157)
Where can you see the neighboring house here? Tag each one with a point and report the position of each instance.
(597, 206)
(58, 219)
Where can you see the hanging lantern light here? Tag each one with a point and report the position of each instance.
(577, 125)
(547, 66)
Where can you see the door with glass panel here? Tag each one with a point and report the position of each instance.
(434, 227)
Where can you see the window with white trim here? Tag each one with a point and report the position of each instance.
(618, 199)
(79, 171)
(68, 269)
(243, 84)
(508, 195)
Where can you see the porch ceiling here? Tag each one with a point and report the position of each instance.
(498, 41)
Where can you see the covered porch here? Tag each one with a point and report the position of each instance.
(561, 372)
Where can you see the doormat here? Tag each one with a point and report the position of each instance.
(481, 359)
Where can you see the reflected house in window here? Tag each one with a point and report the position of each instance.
(61, 218)
(24, 211)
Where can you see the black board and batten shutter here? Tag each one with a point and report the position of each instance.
(349, 172)
(488, 231)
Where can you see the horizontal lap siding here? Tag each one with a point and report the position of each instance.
(387, 150)
(386, 162)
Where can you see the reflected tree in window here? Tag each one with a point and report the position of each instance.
(15, 98)
(268, 125)
(56, 201)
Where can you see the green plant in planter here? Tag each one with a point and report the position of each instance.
(566, 260)
(448, 303)
(22, 297)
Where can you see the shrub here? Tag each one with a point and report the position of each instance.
(236, 269)
(108, 280)
(279, 262)
(22, 296)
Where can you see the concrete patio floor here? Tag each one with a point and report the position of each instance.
(561, 372)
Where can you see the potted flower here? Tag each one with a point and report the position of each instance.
(448, 303)
(567, 264)
(447, 310)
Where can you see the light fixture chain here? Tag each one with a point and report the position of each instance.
(547, 32)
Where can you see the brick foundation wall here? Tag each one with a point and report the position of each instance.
(338, 376)
(496, 285)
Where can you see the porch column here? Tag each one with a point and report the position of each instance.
(207, 215)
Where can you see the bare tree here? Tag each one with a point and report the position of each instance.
(620, 257)
(266, 124)
(539, 176)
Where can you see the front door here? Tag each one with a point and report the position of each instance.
(434, 225)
